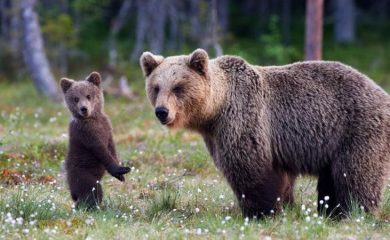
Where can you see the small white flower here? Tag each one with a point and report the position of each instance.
(197, 210)
(326, 198)
(243, 195)
(89, 221)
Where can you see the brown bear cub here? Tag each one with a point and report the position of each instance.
(265, 125)
(91, 146)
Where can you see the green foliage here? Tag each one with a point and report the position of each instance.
(163, 203)
(36, 204)
(60, 29)
(274, 51)
(93, 8)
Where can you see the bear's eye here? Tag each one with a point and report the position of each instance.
(89, 97)
(76, 99)
(178, 90)
(156, 90)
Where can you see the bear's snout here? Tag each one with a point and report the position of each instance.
(162, 114)
(84, 110)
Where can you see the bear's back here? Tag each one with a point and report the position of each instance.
(306, 112)
(316, 107)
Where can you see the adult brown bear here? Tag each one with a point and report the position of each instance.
(265, 125)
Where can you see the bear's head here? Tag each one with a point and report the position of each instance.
(83, 98)
(177, 87)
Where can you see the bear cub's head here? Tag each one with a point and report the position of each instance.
(83, 98)
(177, 87)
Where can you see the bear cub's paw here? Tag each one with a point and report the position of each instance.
(118, 172)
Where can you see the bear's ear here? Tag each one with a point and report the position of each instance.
(149, 62)
(199, 61)
(66, 83)
(95, 79)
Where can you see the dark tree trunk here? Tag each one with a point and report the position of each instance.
(344, 21)
(10, 26)
(174, 22)
(313, 29)
(141, 28)
(151, 21)
(223, 15)
(215, 29)
(116, 25)
(195, 20)
(3, 17)
(156, 24)
(34, 53)
(285, 20)
(14, 29)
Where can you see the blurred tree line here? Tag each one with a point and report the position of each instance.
(111, 34)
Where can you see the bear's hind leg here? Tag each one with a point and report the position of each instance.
(85, 189)
(362, 186)
(327, 203)
(90, 198)
(361, 167)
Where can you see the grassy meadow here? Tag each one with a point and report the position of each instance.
(173, 192)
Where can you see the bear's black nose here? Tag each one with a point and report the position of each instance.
(162, 114)
(83, 109)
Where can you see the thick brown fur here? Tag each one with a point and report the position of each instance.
(91, 146)
(265, 125)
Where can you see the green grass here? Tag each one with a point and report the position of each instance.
(174, 190)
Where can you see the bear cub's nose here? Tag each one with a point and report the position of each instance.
(83, 110)
(162, 114)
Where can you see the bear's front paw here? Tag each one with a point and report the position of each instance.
(118, 173)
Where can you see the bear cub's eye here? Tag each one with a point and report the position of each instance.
(156, 89)
(89, 97)
(178, 90)
(76, 99)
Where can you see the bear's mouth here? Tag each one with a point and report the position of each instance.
(167, 122)
(84, 114)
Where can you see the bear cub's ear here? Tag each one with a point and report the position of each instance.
(199, 61)
(66, 84)
(149, 62)
(95, 79)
